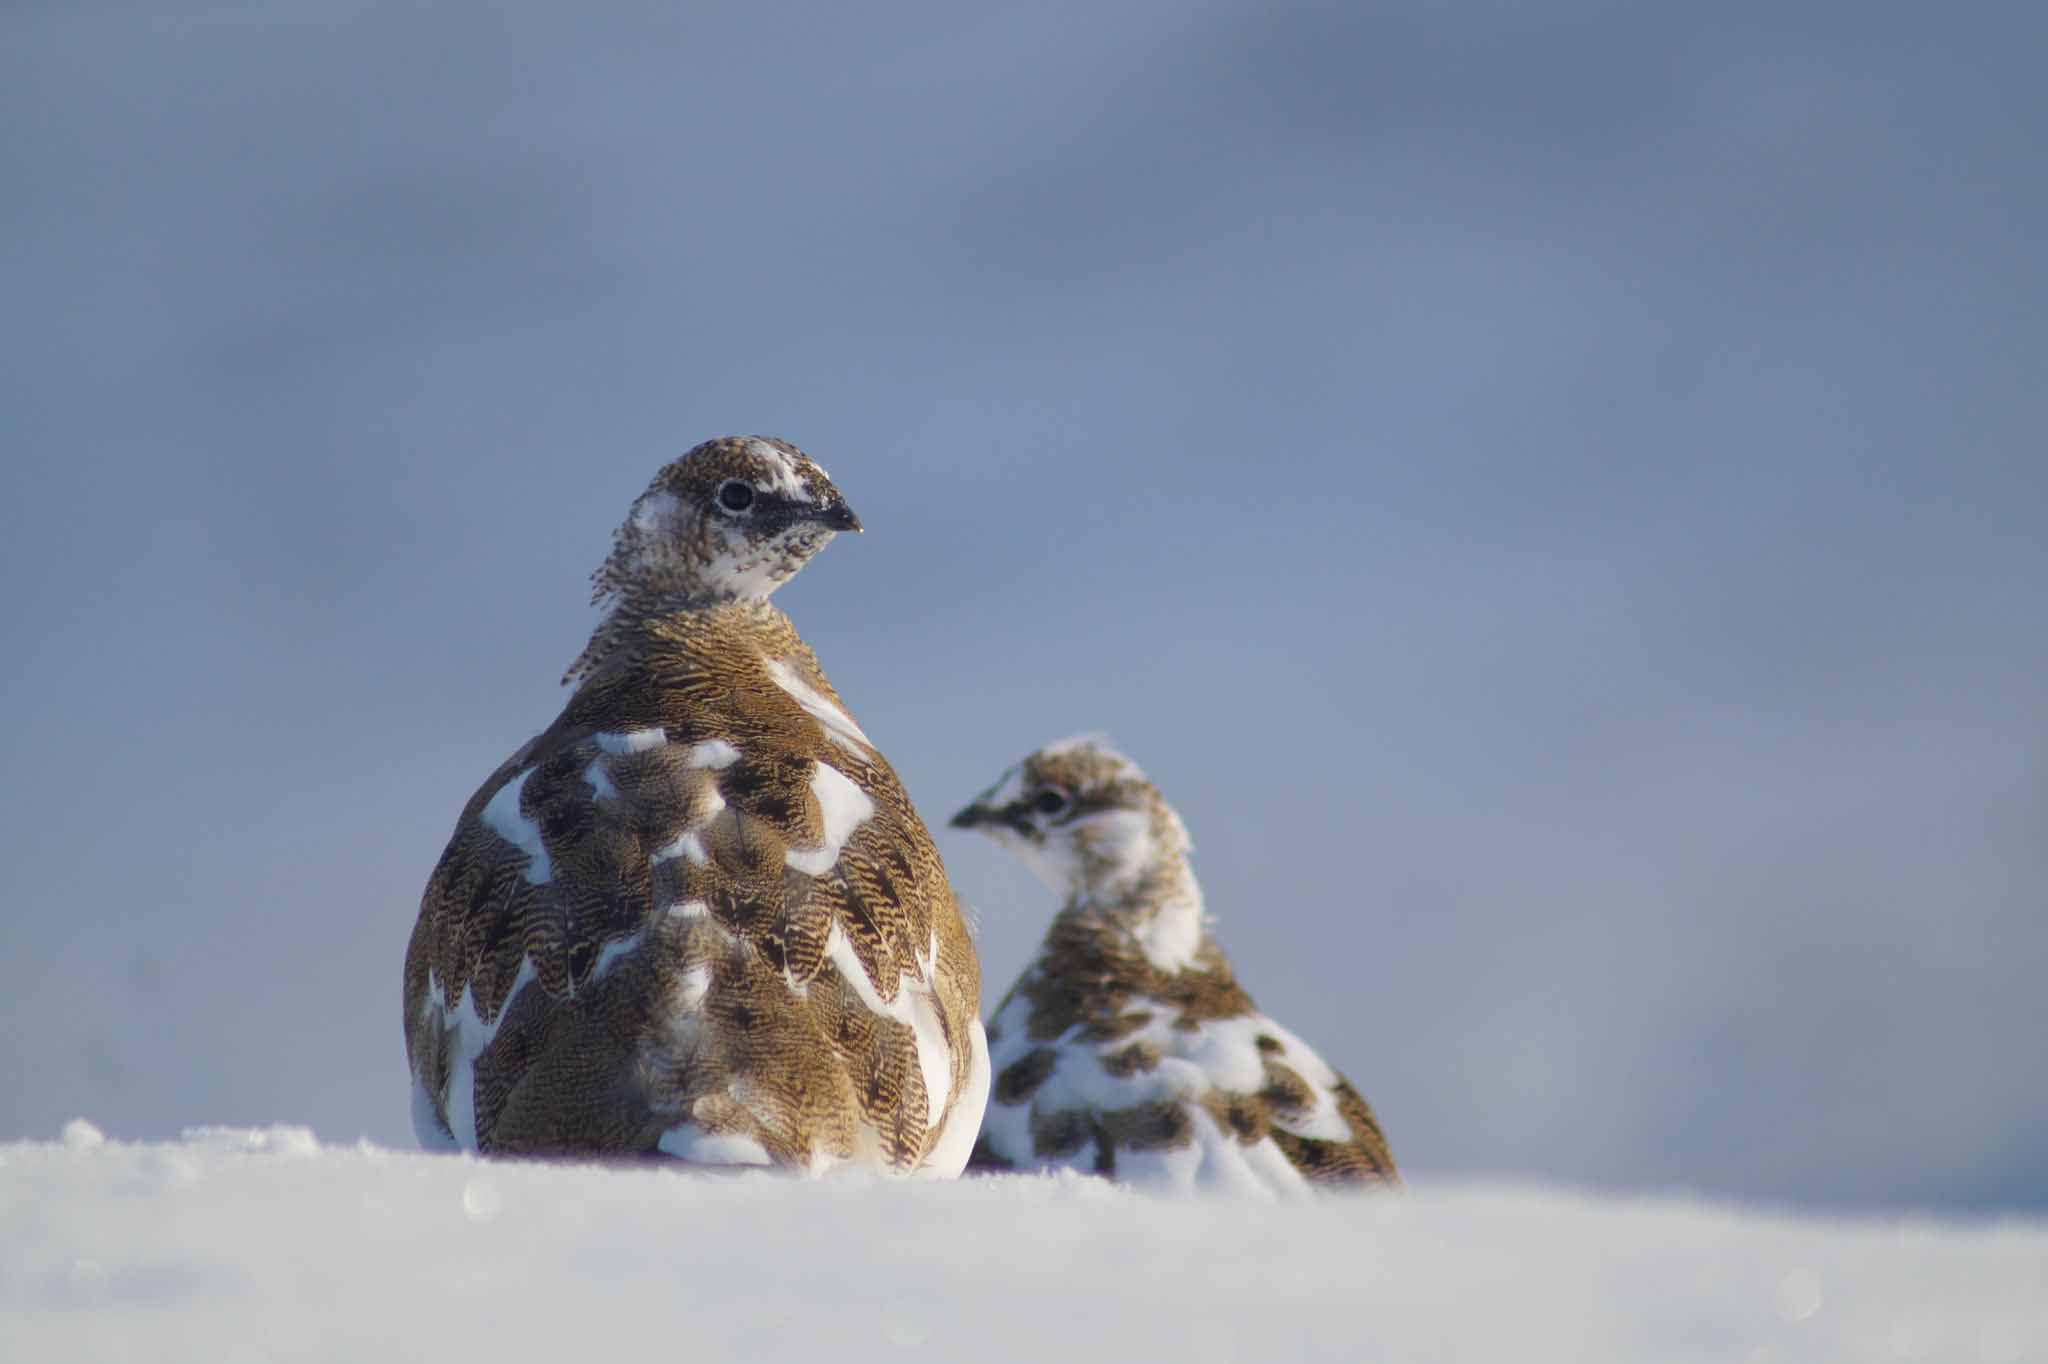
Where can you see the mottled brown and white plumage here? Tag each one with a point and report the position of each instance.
(1127, 1047)
(697, 916)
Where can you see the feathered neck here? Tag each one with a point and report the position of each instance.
(634, 621)
(1135, 878)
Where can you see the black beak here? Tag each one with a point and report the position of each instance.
(1011, 817)
(838, 516)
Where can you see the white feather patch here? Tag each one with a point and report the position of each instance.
(843, 807)
(948, 1156)
(692, 1143)
(1007, 1130)
(1322, 1121)
(688, 845)
(914, 1006)
(609, 955)
(691, 989)
(1172, 935)
(782, 474)
(1214, 1161)
(716, 754)
(473, 1036)
(631, 741)
(426, 1121)
(1219, 1054)
(837, 724)
(503, 818)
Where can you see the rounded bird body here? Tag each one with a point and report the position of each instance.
(1127, 1048)
(698, 916)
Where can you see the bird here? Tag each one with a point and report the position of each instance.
(697, 918)
(1127, 1048)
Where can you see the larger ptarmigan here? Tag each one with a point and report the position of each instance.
(698, 916)
(1127, 1047)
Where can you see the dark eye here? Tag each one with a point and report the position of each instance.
(1050, 801)
(735, 496)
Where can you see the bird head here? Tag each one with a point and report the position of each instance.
(732, 520)
(1083, 817)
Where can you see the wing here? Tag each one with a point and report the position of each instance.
(694, 918)
(1077, 1046)
(1105, 1064)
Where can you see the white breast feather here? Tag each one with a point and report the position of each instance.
(1219, 1054)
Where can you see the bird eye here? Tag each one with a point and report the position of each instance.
(735, 496)
(1050, 801)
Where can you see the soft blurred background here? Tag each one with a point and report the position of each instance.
(1556, 494)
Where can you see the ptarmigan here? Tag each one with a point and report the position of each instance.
(1127, 1047)
(698, 916)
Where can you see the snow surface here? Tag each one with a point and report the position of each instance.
(265, 1245)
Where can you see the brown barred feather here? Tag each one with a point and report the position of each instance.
(645, 923)
(1130, 995)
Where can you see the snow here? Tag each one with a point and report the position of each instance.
(713, 1148)
(239, 1244)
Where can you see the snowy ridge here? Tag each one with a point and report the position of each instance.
(262, 1245)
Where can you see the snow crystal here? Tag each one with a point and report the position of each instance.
(81, 1135)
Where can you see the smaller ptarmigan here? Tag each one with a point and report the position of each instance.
(1127, 1047)
(698, 916)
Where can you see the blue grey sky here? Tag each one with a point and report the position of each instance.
(1555, 494)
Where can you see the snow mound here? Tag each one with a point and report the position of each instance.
(236, 1244)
